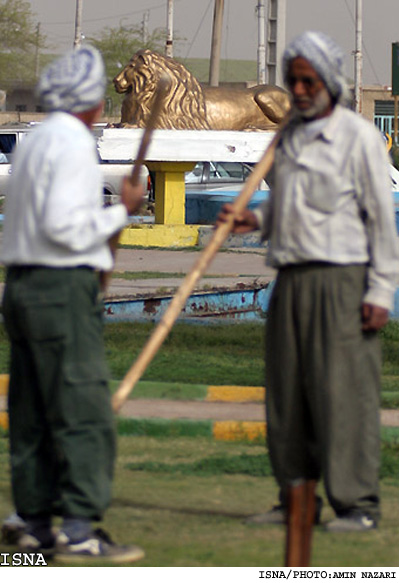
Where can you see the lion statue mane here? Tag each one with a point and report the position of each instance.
(186, 105)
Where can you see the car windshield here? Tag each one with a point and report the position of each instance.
(214, 172)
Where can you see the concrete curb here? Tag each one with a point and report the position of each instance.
(223, 430)
(231, 430)
(4, 378)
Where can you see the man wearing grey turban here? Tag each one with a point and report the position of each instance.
(331, 231)
(56, 241)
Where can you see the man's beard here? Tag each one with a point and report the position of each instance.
(319, 104)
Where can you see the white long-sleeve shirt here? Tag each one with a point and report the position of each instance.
(331, 201)
(53, 209)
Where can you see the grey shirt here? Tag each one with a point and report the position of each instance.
(331, 201)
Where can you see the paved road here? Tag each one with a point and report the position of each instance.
(227, 270)
(215, 411)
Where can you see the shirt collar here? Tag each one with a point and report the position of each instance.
(329, 130)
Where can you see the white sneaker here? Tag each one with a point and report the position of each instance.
(12, 529)
(352, 522)
(98, 547)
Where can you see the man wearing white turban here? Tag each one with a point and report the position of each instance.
(56, 240)
(331, 231)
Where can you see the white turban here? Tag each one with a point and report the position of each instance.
(73, 83)
(326, 58)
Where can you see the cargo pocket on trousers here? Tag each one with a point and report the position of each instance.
(86, 397)
(45, 318)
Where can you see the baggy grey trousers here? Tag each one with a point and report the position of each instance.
(62, 437)
(322, 385)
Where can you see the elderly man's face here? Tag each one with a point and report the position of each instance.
(311, 100)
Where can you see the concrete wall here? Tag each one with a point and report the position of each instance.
(9, 117)
(370, 95)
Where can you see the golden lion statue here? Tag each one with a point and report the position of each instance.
(189, 106)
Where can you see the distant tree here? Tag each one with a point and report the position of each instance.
(117, 46)
(20, 43)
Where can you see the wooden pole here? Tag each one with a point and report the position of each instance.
(189, 282)
(300, 521)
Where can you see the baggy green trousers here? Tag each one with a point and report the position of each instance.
(62, 436)
(322, 385)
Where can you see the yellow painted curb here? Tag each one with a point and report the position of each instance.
(4, 419)
(234, 393)
(4, 379)
(160, 235)
(239, 430)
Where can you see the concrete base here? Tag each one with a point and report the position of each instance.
(155, 235)
(205, 234)
(160, 235)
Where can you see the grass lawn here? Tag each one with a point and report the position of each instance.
(185, 500)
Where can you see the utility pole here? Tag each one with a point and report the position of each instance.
(261, 42)
(275, 40)
(144, 27)
(395, 89)
(214, 68)
(78, 24)
(37, 53)
(358, 56)
(169, 30)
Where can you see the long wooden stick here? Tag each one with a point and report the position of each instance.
(139, 161)
(188, 284)
(150, 126)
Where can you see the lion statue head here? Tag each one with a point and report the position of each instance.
(184, 103)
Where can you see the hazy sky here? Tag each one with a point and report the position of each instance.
(193, 21)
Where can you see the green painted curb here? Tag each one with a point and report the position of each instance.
(161, 390)
(164, 428)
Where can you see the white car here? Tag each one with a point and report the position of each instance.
(11, 136)
(211, 175)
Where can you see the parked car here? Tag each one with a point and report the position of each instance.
(11, 136)
(113, 172)
(218, 174)
(203, 205)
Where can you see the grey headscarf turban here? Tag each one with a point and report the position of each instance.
(74, 83)
(326, 58)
